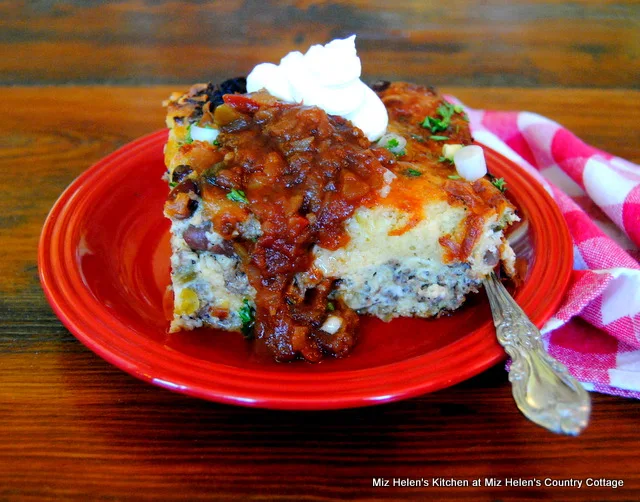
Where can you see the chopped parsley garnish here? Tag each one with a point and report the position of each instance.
(331, 307)
(216, 142)
(445, 159)
(454, 177)
(173, 184)
(247, 315)
(189, 139)
(392, 143)
(500, 184)
(237, 196)
(413, 172)
(441, 123)
(434, 125)
(438, 138)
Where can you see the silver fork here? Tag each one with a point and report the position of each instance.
(542, 387)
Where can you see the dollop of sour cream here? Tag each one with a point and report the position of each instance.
(327, 77)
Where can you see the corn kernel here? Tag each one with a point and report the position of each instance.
(187, 302)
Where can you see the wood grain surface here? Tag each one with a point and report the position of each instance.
(73, 427)
(478, 43)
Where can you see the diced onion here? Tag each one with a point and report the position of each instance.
(332, 325)
(388, 178)
(203, 133)
(399, 141)
(470, 162)
(449, 150)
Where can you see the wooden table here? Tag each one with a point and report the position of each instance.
(74, 427)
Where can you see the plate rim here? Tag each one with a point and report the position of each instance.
(409, 382)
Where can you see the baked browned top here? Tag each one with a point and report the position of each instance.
(423, 172)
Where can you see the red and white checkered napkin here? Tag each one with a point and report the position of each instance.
(596, 332)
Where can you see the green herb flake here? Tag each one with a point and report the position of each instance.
(173, 184)
(400, 153)
(460, 111)
(434, 124)
(237, 196)
(216, 142)
(445, 159)
(413, 172)
(392, 143)
(500, 184)
(445, 111)
(435, 137)
(454, 177)
(247, 316)
(331, 307)
(188, 140)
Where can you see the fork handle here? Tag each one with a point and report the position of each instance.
(542, 387)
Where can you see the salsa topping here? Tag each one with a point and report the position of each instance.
(301, 173)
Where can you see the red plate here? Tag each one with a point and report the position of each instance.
(104, 266)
